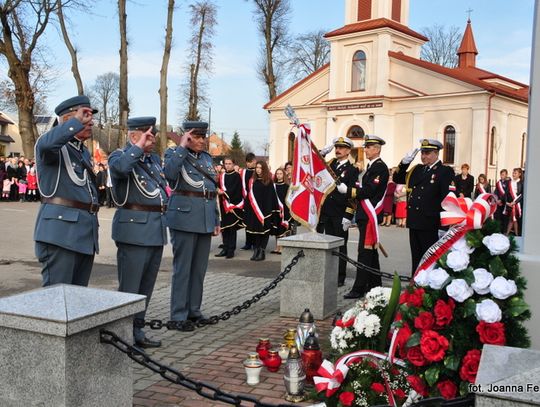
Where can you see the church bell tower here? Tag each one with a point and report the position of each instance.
(362, 10)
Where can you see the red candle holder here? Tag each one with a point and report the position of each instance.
(273, 361)
(263, 348)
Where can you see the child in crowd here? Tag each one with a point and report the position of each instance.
(23, 186)
(31, 179)
(6, 188)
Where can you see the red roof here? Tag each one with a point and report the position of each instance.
(374, 24)
(296, 85)
(474, 76)
(467, 43)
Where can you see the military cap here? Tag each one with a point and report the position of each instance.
(199, 128)
(343, 142)
(430, 144)
(142, 123)
(370, 139)
(72, 104)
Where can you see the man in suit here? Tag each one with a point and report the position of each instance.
(138, 227)
(66, 231)
(192, 217)
(369, 195)
(427, 185)
(336, 215)
(101, 181)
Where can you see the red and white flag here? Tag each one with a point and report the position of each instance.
(311, 180)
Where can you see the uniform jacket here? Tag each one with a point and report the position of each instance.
(232, 202)
(426, 190)
(373, 187)
(133, 185)
(61, 173)
(188, 213)
(336, 204)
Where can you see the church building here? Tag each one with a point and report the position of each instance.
(377, 84)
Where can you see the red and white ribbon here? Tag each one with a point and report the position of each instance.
(283, 222)
(254, 203)
(227, 205)
(372, 229)
(516, 209)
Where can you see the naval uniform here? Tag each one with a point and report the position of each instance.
(231, 209)
(336, 207)
(427, 186)
(369, 195)
(66, 230)
(192, 216)
(138, 227)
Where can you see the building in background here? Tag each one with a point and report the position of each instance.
(376, 83)
(10, 139)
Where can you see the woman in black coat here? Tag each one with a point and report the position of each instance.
(281, 184)
(464, 182)
(514, 197)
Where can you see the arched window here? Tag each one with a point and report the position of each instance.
(449, 144)
(356, 132)
(290, 145)
(493, 146)
(359, 71)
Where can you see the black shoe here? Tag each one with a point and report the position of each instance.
(255, 254)
(261, 256)
(246, 247)
(353, 294)
(222, 253)
(229, 255)
(221, 246)
(147, 343)
(196, 319)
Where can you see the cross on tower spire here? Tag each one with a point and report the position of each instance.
(469, 11)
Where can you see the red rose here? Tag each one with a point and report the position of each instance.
(404, 297)
(346, 398)
(415, 356)
(469, 365)
(444, 312)
(433, 345)
(402, 337)
(378, 387)
(418, 385)
(492, 334)
(400, 394)
(447, 388)
(416, 298)
(424, 320)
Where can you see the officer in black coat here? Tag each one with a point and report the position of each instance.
(368, 195)
(336, 214)
(427, 185)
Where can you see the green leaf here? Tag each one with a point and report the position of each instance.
(464, 388)
(474, 239)
(469, 307)
(432, 375)
(428, 301)
(468, 275)
(496, 267)
(390, 312)
(517, 306)
(442, 261)
(451, 362)
(414, 340)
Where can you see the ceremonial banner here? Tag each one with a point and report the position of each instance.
(311, 180)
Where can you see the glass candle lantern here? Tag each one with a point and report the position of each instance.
(263, 348)
(283, 352)
(294, 377)
(311, 357)
(289, 337)
(253, 366)
(273, 361)
(306, 325)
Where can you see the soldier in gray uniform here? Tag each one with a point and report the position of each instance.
(192, 218)
(138, 228)
(66, 231)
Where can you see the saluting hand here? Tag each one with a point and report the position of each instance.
(185, 140)
(84, 115)
(409, 157)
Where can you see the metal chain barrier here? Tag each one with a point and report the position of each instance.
(159, 324)
(369, 269)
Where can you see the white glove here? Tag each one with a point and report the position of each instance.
(346, 223)
(409, 157)
(342, 188)
(326, 149)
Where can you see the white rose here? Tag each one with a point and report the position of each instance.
(488, 311)
(457, 260)
(482, 280)
(422, 278)
(462, 246)
(459, 290)
(501, 288)
(497, 243)
(437, 278)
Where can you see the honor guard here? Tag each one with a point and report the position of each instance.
(246, 174)
(368, 195)
(427, 185)
(192, 217)
(336, 215)
(138, 227)
(66, 231)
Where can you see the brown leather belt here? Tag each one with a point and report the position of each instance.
(145, 208)
(197, 194)
(90, 207)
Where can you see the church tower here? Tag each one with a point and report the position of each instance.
(362, 10)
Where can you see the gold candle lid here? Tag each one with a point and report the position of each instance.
(291, 330)
(293, 353)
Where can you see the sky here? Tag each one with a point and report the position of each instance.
(502, 30)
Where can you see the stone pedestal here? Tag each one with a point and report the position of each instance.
(312, 283)
(508, 377)
(50, 353)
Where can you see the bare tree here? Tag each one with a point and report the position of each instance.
(442, 46)
(104, 94)
(307, 53)
(272, 22)
(71, 49)
(163, 95)
(123, 100)
(203, 21)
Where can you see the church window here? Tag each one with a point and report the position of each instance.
(290, 145)
(449, 144)
(493, 146)
(364, 10)
(356, 132)
(359, 71)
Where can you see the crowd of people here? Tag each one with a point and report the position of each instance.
(18, 179)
